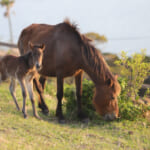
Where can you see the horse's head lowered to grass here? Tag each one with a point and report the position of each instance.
(105, 99)
(107, 86)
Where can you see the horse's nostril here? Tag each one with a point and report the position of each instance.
(38, 66)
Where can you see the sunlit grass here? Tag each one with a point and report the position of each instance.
(18, 133)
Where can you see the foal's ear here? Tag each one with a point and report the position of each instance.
(30, 44)
(42, 46)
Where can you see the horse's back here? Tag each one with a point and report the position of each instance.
(62, 52)
(35, 33)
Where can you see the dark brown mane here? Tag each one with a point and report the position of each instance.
(96, 60)
(73, 26)
(93, 57)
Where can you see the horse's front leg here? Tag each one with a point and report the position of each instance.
(59, 113)
(40, 89)
(78, 82)
(29, 85)
(24, 94)
(13, 93)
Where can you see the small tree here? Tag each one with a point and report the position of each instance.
(134, 70)
(8, 4)
(96, 37)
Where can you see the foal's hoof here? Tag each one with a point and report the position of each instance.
(25, 116)
(18, 108)
(37, 117)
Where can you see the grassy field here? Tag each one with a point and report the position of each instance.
(17, 133)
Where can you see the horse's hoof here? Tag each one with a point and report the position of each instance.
(82, 116)
(61, 121)
(45, 111)
(85, 120)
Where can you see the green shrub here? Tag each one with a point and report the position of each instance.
(50, 88)
(135, 70)
(127, 109)
(87, 95)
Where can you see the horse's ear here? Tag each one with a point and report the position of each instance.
(109, 82)
(30, 44)
(42, 46)
(116, 77)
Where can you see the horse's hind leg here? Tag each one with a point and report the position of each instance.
(78, 82)
(40, 90)
(42, 80)
(29, 85)
(12, 91)
(24, 94)
(59, 113)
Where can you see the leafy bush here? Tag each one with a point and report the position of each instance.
(127, 109)
(135, 70)
(50, 88)
(87, 95)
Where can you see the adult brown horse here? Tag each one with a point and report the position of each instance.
(70, 53)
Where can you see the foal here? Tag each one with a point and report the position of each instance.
(23, 69)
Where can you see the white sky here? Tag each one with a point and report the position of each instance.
(126, 20)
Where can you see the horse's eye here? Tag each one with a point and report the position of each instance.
(112, 97)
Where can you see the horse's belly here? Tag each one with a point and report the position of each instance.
(64, 72)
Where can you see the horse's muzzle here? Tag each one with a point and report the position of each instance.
(110, 117)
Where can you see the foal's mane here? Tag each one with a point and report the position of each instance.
(92, 56)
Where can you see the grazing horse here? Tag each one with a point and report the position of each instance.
(70, 53)
(22, 68)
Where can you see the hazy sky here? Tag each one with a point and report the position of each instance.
(126, 23)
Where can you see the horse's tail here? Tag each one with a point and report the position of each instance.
(20, 44)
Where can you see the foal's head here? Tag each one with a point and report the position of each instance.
(37, 54)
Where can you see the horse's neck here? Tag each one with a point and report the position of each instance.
(95, 77)
(95, 67)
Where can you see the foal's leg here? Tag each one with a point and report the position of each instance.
(41, 102)
(78, 82)
(12, 91)
(29, 85)
(24, 94)
(59, 113)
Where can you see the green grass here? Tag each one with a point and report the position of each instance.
(17, 133)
